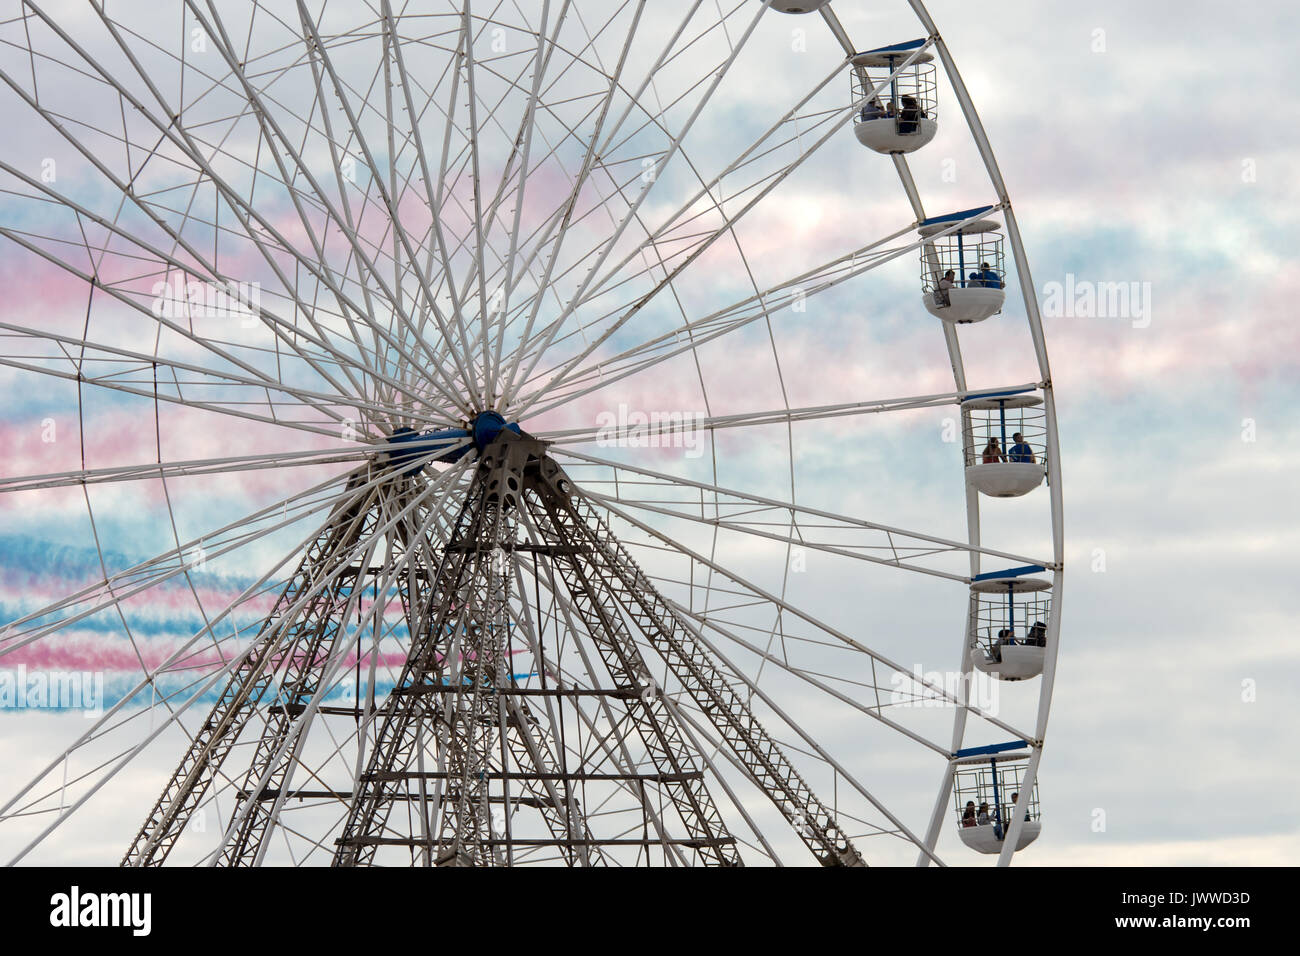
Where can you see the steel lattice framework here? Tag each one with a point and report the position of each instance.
(457, 708)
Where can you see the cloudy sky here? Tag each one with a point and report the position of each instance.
(1152, 145)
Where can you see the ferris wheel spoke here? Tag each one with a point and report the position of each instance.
(749, 515)
(395, 219)
(173, 562)
(384, 349)
(561, 387)
(510, 263)
(665, 56)
(681, 249)
(516, 266)
(241, 207)
(292, 338)
(810, 741)
(137, 373)
(181, 469)
(558, 226)
(689, 246)
(73, 375)
(273, 133)
(255, 376)
(171, 718)
(794, 611)
(690, 212)
(406, 358)
(476, 239)
(182, 657)
(834, 685)
(837, 688)
(476, 193)
(537, 247)
(670, 430)
(445, 188)
(127, 190)
(607, 247)
(127, 583)
(447, 276)
(509, 269)
(676, 301)
(540, 61)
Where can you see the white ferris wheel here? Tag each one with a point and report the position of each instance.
(485, 455)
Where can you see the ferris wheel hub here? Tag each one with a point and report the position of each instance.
(407, 446)
(486, 426)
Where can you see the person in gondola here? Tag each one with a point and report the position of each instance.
(993, 452)
(1037, 636)
(1005, 636)
(1014, 798)
(986, 278)
(873, 110)
(941, 297)
(909, 116)
(968, 815)
(1021, 451)
(982, 818)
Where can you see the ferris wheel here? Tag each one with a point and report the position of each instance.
(512, 434)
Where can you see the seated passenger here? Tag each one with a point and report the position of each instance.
(941, 297)
(1014, 798)
(872, 110)
(1004, 637)
(1020, 451)
(908, 117)
(1037, 636)
(993, 452)
(982, 818)
(968, 815)
(986, 278)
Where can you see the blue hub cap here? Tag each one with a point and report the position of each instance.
(487, 426)
(484, 429)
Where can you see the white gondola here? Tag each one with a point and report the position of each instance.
(1015, 662)
(1004, 441)
(963, 272)
(986, 840)
(903, 117)
(992, 782)
(1009, 632)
